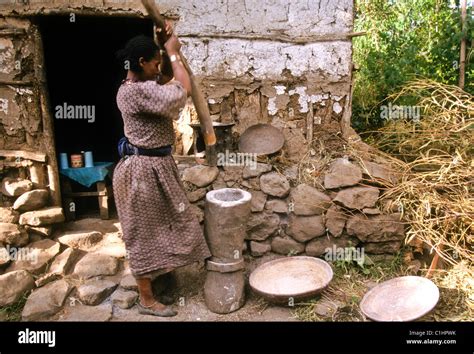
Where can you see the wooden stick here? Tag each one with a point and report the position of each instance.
(434, 261)
(199, 101)
(462, 54)
(309, 123)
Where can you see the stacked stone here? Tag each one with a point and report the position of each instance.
(77, 275)
(52, 262)
(26, 222)
(292, 219)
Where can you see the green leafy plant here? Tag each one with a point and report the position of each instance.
(405, 39)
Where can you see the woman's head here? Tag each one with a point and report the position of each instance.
(142, 56)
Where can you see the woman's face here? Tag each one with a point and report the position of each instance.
(150, 68)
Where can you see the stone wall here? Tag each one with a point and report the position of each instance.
(290, 218)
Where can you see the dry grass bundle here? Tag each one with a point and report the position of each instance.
(436, 191)
(456, 288)
(446, 125)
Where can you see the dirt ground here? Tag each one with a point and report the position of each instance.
(190, 302)
(339, 302)
(189, 284)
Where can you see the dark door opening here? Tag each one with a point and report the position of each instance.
(82, 73)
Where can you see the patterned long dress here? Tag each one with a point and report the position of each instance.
(159, 230)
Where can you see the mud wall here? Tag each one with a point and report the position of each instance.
(287, 63)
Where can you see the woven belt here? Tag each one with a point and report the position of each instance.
(126, 148)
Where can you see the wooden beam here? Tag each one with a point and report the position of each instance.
(7, 32)
(278, 37)
(37, 175)
(103, 200)
(16, 83)
(47, 120)
(346, 127)
(29, 155)
(22, 163)
(184, 158)
(86, 194)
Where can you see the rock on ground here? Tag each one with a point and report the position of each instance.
(380, 171)
(277, 206)
(382, 247)
(92, 265)
(371, 211)
(63, 263)
(320, 245)
(37, 257)
(46, 301)
(251, 183)
(128, 282)
(12, 234)
(260, 168)
(196, 195)
(4, 256)
(46, 279)
(83, 313)
(81, 240)
(257, 203)
(93, 292)
(43, 231)
(13, 285)
(42, 217)
(124, 299)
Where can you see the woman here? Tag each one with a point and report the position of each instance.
(159, 230)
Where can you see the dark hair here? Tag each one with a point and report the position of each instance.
(139, 46)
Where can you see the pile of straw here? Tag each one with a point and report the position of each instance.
(436, 194)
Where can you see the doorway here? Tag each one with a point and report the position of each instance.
(83, 77)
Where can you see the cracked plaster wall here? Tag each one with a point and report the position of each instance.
(245, 55)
